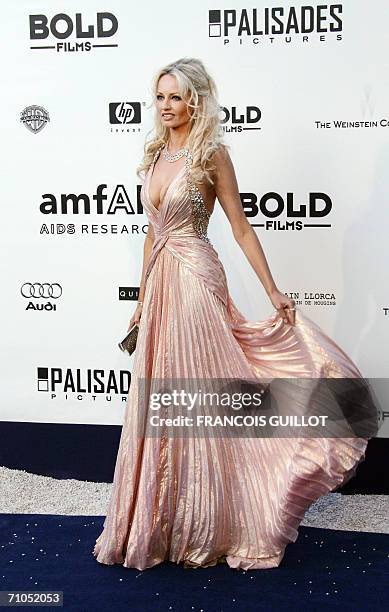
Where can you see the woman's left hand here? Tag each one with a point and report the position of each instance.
(285, 306)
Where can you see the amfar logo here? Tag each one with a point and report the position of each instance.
(100, 203)
(273, 205)
(122, 113)
(41, 291)
(94, 382)
(73, 204)
(275, 21)
(234, 120)
(34, 118)
(63, 27)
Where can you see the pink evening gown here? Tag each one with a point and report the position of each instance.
(209, 500)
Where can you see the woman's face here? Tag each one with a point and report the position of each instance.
(170, 105)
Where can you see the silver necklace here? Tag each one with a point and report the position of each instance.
(172, 157)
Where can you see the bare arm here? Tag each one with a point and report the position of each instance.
(227, 193)
(147, 246)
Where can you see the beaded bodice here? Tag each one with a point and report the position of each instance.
(183, 198)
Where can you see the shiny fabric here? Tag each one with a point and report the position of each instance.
(204, 501)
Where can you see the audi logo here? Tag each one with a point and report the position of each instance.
(41, 290)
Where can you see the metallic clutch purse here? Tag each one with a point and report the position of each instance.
(129, 342)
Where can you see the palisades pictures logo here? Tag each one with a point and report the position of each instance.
(64, 383)
(65, 33)
(277, 23)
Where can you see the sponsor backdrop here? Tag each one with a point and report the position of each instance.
(304, 94)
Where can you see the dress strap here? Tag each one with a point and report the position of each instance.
(200, 214)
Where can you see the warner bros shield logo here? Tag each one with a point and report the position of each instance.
(34, 118)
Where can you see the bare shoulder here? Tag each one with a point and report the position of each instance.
(221, 155)
(222, 162)
(227, 191)
(224, 172)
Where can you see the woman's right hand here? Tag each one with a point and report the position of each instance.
(135, 317)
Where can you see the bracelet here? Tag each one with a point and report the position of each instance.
(139, 302)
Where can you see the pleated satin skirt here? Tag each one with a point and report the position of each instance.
(206, 500)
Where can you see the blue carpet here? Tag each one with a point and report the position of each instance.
(322, 570)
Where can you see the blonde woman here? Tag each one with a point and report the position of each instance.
(201, 500)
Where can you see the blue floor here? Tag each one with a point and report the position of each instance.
(322, 570)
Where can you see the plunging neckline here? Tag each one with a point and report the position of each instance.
(151, 172)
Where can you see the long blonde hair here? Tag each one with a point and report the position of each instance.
(199, 90)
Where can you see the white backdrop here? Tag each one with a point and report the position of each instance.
(303, 91)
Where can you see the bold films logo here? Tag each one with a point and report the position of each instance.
(282, 213)
(276, 24)
(63, 33)
(236, 121)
